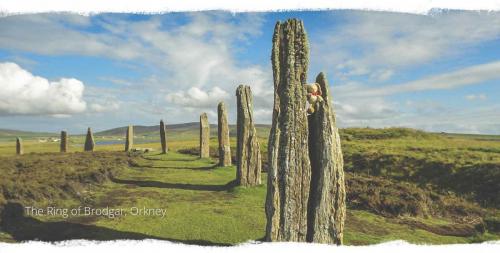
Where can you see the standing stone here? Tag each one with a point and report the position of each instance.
(248, 149)
(89, 141)
(19, 146)
(163, 137)
(289, 172)
(129, 138)
(204, 136)
(64, 142)
(223, 136)
(327, 197)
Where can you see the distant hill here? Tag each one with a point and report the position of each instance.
(191, 128)
(173, 130)
(8, 133)
(148, 129)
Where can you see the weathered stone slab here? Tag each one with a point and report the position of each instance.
(306, 193)
(89, 141)
(19, 146)
(204, 136)
(248, 172)
(327, 197)
(129, 138)
(163, 137)
(223, 136)
(289, 172)
(64, 142)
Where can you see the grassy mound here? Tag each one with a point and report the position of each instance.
(378, 134)
(388, 198)
(466, 166)
(50, 176)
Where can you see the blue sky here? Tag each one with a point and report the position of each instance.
(437, 72)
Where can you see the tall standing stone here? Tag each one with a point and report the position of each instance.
(129, 138)
(248, 171)
(89, 141)
(327, 197)
(19, 146)
(163, 137)
(64, 142)
(223, 135)
(289, 172)
(204, 136)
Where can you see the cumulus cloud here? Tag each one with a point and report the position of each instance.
(189, 56)
(369, 51)
(195, 61)
(22, 93)
(199, 61)
(196, 98)
(107, 106)
(363, 111)
(103, 99)
(370, 42)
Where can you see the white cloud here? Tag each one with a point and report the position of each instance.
(373, 47)
(105, 99)
(194, 63)
(263, 115)
(471, 75)
(22, 93)
(62, 34)
(361, 111)
(196, 54)
(373, 41)
(428, 115)
(117, 81)
(382, 75)
(452, 119)
(199, 62)
(197, 98)
(362, 105)
(476, 97)
(104, 107)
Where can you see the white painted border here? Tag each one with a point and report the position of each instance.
(149, 246)
(159, 6)
(9, 7)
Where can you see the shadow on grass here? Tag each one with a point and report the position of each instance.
(149, 158)
(157, 154)
(23, 228)
(195, 187)
(186, 159)
(181, 168)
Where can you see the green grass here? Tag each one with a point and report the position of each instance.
(201, 201)
(199, 207)
(204, 207)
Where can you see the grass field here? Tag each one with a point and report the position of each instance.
(204, 207)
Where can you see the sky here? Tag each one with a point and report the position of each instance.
(438, 72)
